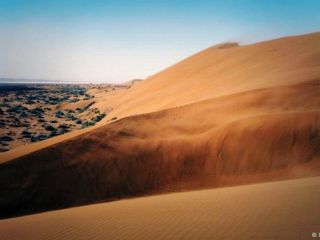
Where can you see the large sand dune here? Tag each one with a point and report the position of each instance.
(225, 116)
(277, 210)
(220, 71)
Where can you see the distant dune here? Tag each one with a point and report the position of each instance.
(277, 211)
(225, 116)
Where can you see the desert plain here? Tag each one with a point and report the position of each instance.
(35, 112)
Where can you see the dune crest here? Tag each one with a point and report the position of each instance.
(227, 45)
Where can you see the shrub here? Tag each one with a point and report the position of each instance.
(26, 134)
(79, 121)
(30, 102)
(74, 100)
(59, 114)
(64, 126)
(39, 137)
(15, 109)
(87, 97)
(80, 110)
(99, 117)
(6, 138)
(54, 133)
(62, 131)
(37, 111)
(4, 148)
(87, 124)
(23, 115)
(71, 116)
(50, 128)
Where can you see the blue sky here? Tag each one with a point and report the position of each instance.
(115, 41)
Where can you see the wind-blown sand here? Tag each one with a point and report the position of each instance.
(277, 210)
(225, 116)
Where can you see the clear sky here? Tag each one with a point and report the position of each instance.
(116, 41)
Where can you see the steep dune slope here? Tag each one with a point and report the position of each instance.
(225, 116)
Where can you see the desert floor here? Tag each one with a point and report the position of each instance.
(31, 113)
(275, 210)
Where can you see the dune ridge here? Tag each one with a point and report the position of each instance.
(222, 117)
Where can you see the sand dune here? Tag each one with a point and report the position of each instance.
(211, 73)
(225, 116)
(242, 138)
(277, 210)
(217, 72)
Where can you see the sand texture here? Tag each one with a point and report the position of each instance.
(277, 210)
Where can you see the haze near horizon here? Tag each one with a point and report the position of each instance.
(117, 41)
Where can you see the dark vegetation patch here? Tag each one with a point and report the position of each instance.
(7, 87)
(26, 109)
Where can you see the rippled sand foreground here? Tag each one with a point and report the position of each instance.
(276, 210)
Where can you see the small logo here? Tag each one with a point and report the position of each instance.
(315, 234)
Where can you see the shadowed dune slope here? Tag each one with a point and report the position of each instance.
(224, 116)
(245, 212)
